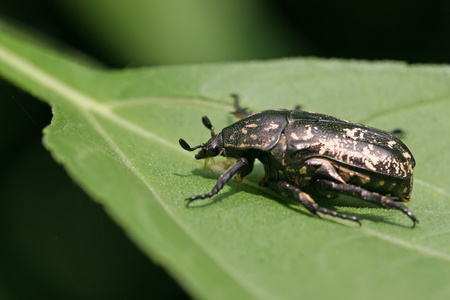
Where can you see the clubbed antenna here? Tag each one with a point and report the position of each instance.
(208, 124)
(186, 146)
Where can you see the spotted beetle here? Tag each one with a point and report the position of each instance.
(307, 153)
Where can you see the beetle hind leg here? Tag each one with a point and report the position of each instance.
(310, 204)
(356, 191)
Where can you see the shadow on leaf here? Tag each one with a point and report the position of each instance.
(250, 186)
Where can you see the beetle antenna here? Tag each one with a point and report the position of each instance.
(208, 124)
(186, 146)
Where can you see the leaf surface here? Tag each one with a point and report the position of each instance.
(116, 132)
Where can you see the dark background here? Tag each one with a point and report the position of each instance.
(55, 243)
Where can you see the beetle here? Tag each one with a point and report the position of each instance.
(307, 155)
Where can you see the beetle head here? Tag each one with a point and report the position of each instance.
(211, 148)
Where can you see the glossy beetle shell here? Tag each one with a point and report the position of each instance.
(317, 135)
(308, 154)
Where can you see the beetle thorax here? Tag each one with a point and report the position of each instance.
(211, 148)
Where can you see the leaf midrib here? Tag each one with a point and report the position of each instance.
(87, 105)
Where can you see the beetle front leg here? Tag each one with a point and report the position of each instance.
(308, 202)
(356, 191)
(223, 179)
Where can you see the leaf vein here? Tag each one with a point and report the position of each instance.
(223, 265)
(407, 245)
(432, 187)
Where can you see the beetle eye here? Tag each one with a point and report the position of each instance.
(212, 151)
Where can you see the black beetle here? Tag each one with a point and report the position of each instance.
(307, 153)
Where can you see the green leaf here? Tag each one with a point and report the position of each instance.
(116, 132)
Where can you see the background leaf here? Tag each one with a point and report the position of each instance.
(116, 134)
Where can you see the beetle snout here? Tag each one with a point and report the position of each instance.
(208, 151)
(201, 154)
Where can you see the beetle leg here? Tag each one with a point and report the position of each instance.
(356, 191)
(239, 111)
(398, 133)
(263, 180)
(223, 179)
(309, 203)
(244, 171)
(324, 168)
